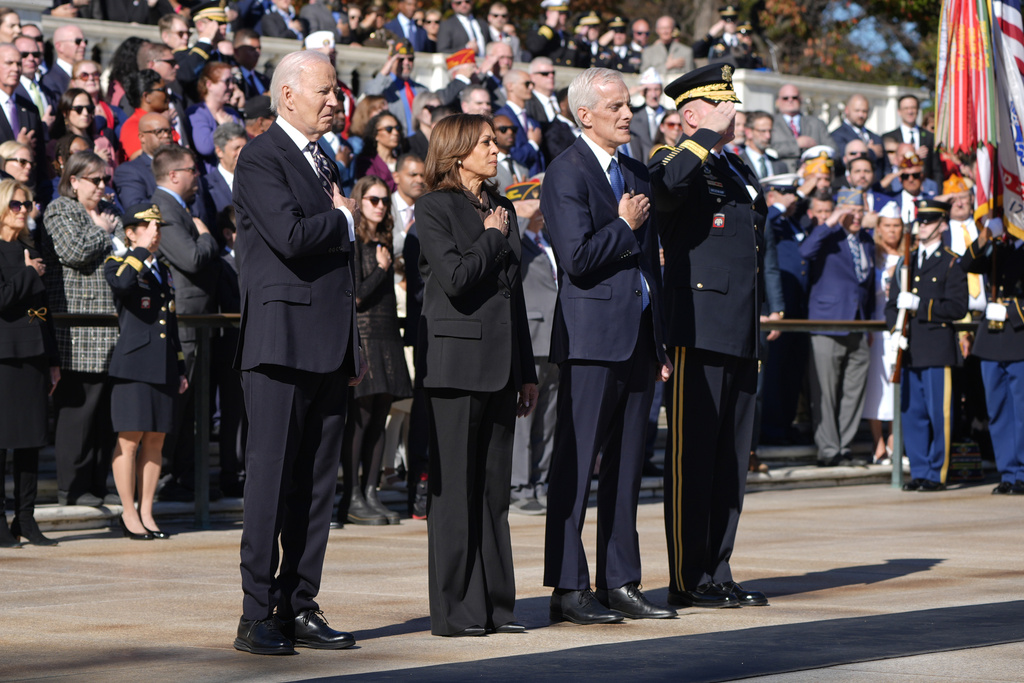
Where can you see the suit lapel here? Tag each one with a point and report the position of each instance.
(294, 156)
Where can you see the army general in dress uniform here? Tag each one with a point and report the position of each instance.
(711, 218)
(938, 296)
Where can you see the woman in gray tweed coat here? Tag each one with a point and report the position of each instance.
(81, 230)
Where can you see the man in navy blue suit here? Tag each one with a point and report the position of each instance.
(526, 148)
(606, 339)
(298, 351)
(403, 25)
(842, 259)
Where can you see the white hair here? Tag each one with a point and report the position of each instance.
(583, 89)
(289, 72)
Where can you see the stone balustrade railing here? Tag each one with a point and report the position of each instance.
(357, 65)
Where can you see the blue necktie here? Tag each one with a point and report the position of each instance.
(323, 170)
(618, 184)
(859, 266)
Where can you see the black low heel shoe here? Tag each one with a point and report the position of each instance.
(7, 539)
(158, 533)
(132, 535)
(29, 530)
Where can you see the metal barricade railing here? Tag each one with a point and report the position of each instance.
(201, 384)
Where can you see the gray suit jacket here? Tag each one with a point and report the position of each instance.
(541, 293)
(194, 263)
(640, 141)
(784, 142)
(504, 177)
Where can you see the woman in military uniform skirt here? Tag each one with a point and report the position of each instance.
(28, 362)
(147, 369)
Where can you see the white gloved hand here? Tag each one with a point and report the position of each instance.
(899, 341)
(996, 312)
(908, 301)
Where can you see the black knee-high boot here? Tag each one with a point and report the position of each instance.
(26, 486)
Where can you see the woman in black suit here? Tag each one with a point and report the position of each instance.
(475, 356)
(147, 368)
(28, 362)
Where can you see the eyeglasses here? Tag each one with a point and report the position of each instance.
(20, 162)
(84, 109)
(377, 201)
(181, 34)
(158, 131)
(762, 131)
(76, 41)
(911, 176)
(672, 125)
(190, 169)
(787, 98)
(498, 16)
(544, 73)
(431, 21)
(505, 129)
(170, 61)
(858, 155)
(461, 2)
(528, 84)
(33, 55)
(387, 129)
(641, 33)
(105, 179)
(88, 76)
(17, 207)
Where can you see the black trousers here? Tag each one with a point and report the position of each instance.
(601, 406)
(471, 579)
(233, 423)
(84, 439)
(711, 420)
(296, 425)
(179, 459)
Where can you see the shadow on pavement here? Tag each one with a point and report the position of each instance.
(749, 652)
(779, 586)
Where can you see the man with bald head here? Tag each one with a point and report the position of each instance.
(854, 127)
(794, 132)
(69, 44)
(133, 181)
(298, 351)
(526, 149)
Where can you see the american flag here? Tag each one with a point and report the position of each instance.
(1008, 43)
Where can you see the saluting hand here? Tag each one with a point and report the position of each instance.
(720, 118)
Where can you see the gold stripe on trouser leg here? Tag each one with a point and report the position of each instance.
(947, 418)
(676, 465)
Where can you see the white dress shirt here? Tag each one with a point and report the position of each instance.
(227, 175)
(472, 27)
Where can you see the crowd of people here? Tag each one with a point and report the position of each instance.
(536, 320)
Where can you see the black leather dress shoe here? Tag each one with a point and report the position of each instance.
(912, 485)
(1018, 488)
(510, 627)
(580, 607)
(1004, 488)
(706, 595)
(468, 632)
(929, 486)
(631, 602)
(746, 598)
(310, 629)
(262, 637)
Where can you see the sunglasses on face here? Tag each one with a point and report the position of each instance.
(21, 162)
(158, 131)
(77, 41)
(641, 33)
(16, 206)
(181, 34)
(544, 73)
(672, 125)
(84, 109)
(190, 169)
(498, 16)
(431, 21)
(505, 129)
(911, 176)
(387, 129)
(88, 76)
(33, 55)
(377, 201)
(96, 180)
(169, 61)
(788, 98)
(528, 84)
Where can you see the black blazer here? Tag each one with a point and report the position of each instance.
(148, 348)
(294, 262)
(473, 333)
(23, 334)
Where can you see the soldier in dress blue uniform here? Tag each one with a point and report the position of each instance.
(551, 40)
(711, 218)
(619, 55)
(147, 368)
(937, 298)
(999, 344)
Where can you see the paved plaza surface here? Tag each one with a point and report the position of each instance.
(866, 584)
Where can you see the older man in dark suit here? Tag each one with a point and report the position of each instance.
(298, 352)
(598, 209)
(842, 258)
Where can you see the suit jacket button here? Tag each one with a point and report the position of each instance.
(700, 285)
(914, 290)
(506, 294)
(163, 308)
(163, 322)
(917, 278)
(348, 292)
(163, 336)
(637, 292)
